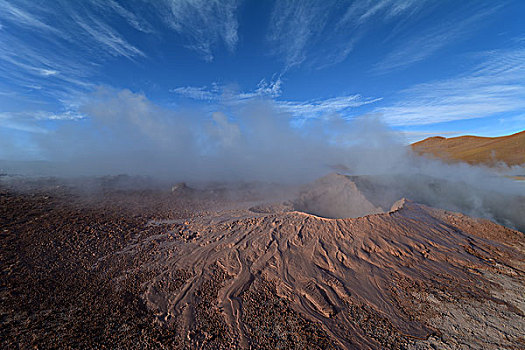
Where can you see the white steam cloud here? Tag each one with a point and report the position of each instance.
(124, 132)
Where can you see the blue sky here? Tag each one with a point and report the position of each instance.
(424, 67)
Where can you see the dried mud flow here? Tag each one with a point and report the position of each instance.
(219, 268)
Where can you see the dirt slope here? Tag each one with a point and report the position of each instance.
(475, 150)
(399, 279)
(191, 269)
(383, 280)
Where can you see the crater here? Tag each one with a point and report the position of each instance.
(335, 196)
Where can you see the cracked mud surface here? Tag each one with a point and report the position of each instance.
(129, 268)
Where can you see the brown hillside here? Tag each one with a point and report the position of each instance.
(476, 150)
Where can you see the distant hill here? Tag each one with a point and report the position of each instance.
(474, 149)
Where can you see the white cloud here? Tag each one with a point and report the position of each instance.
(331, 28)
(264, 89)
(321, 33)
(197, 93)
(133, 20)
(272, 89)
(359, 12)
(204, 23)
(23, 66)
(29, 121)
(427, 43)
(21, 17)
(20, 126)
(218, 92)
(319, 108)
(69, 115)
(44, 46)
(495, 86)
(70, 25)
(294, 24)
(40, 115)
(66, 42)
(47, 72)
(299, 109)
(108, 38)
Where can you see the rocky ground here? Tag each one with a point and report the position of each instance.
(137, 267)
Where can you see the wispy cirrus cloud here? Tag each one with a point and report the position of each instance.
(62, 24)
(494, 86)
(272, 91)
(202, 93)
(430, 41)
(26, 68)
(30, 121)
(129, 14)
(107, 38)
(47, 72)
(58, 46)
(333, 29)
(23, 16)
(294, 25)
(204, 23)
(218, 92)
(323, 107)
(359, 12)
(55, 47)
(324, 33)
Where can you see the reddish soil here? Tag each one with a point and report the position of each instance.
(508, 149)
(153, 268)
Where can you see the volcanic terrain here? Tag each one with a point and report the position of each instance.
(127, 264)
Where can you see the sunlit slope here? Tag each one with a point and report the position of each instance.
(476, 150)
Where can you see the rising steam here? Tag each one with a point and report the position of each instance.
(255, 141)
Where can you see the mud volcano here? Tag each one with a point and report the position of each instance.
(412, 277)
(334, 196)
(215, 268)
